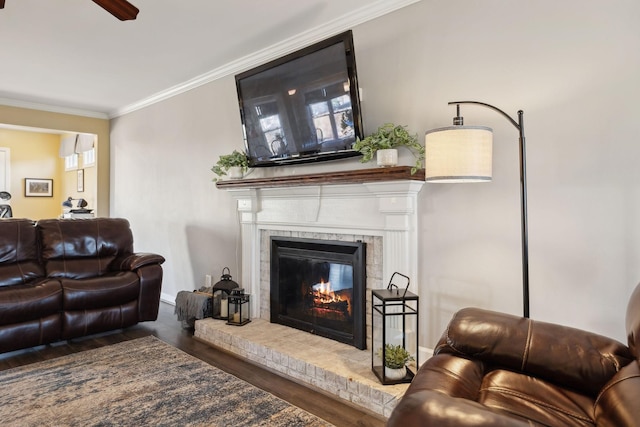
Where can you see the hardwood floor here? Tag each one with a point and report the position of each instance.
(168, 329)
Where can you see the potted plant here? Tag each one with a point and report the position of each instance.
(234, 164)
(390, 137)
(396, 358)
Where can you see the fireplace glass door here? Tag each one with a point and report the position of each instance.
(318, 286)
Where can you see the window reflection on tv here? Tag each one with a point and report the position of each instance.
(303, 107)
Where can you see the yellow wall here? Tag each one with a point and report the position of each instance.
(34, 155)
(71, 123)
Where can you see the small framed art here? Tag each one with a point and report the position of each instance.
(37, 187)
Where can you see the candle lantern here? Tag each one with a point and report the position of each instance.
(394, 320)
(220, 293)
(238, 308)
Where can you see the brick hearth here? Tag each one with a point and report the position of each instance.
(333, 367)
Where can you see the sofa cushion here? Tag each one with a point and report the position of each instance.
(84, 322)
(32, 301)
(617, 404)
(42, 330)
(535, 399)
(99, 292)
(79, 249)
(501, 392)
(18, 252)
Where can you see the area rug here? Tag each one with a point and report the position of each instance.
(143, 382)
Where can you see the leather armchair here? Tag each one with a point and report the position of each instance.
(494, 369)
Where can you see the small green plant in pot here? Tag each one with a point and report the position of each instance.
(396, 356)
(228, 161)
(390, 136)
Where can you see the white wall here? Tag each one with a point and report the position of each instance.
(572, 66)
(162, 183)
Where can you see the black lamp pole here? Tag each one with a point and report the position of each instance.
(523, 196)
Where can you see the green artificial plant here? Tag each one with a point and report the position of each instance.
(390, 136)
(395, 356)
(227, 161)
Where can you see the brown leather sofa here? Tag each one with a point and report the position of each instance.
(66, 278)
(493, 369)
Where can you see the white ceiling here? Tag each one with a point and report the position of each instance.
(73, 56)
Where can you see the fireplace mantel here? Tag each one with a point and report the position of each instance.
(339, 177)
(370, 202)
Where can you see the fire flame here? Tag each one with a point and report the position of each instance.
(325, 298)
(322, 291)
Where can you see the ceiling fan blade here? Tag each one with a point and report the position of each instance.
(1, 4)
(121, 9)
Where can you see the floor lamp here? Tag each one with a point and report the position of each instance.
(461, 153)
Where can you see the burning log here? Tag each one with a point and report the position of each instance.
(342, 306)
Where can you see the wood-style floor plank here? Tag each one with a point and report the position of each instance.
(168, 329)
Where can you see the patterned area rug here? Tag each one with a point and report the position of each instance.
(143, 382)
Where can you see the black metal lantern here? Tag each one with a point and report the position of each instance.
(394, 321)
(239, 308)
(219, 294)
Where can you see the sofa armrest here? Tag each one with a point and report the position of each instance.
(567, 356)
(132, 262)
(431, 408)
(617, 403)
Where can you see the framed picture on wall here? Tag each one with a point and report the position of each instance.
(80, 180)
(38, 187)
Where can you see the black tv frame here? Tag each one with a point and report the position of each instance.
(346, 38)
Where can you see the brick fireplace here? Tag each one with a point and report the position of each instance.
(382, 212)
(377, 207)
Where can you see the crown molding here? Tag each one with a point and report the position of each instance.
(364, 14)
(52, 108)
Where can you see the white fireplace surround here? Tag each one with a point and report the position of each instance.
(387, 209)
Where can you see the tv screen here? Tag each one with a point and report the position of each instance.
(303, 107)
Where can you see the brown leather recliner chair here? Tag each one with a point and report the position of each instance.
(494, 369)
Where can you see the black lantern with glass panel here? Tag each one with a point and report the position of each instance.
(394, 343)
(219, 294)
(239, 313)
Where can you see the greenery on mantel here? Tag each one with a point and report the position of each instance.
(390, 136)
(227, 161)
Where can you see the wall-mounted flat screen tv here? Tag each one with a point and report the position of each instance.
(303, 107)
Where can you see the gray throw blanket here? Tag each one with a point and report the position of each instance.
(192, 305)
